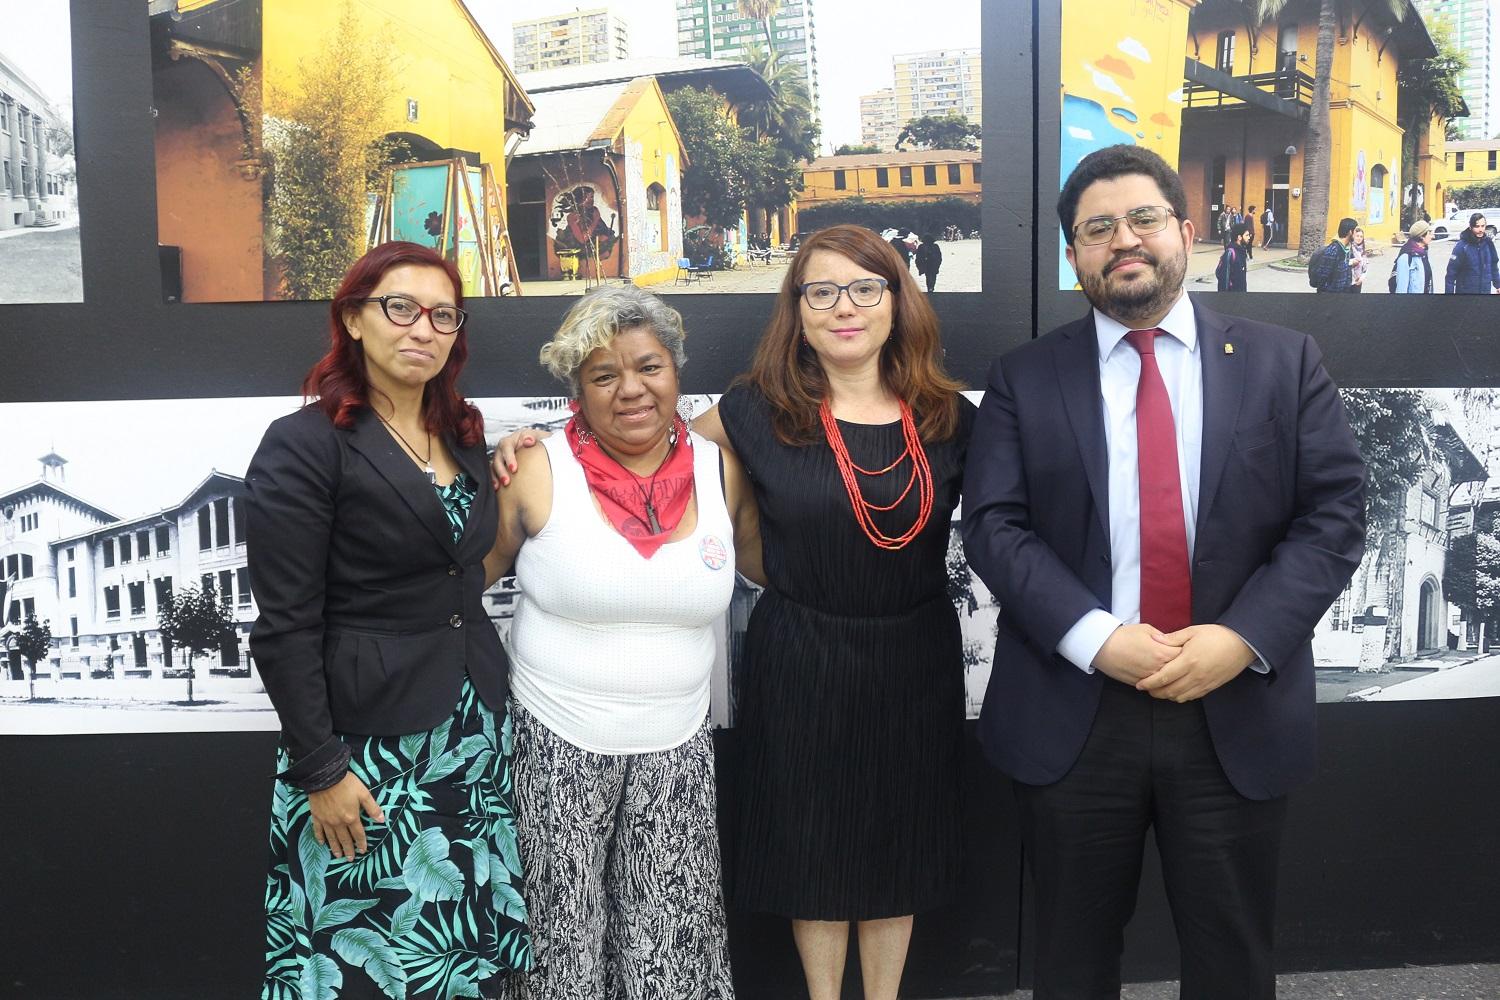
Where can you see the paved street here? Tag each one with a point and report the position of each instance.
(1450, 674)
(959, 273)
(1440, 982)
(1266, 276)
(41, 265)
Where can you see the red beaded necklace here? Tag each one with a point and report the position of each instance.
(921, 475)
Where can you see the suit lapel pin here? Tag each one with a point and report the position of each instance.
(1228, 348)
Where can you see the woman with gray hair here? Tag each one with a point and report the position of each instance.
(625, 532)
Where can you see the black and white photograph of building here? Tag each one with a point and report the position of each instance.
(39, 252)
(1418, 620)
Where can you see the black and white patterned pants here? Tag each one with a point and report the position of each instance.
(622, 871)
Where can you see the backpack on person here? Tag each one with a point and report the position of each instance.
(1391, 284)
(1319, 268)
(1265, 217)
(1225, 268)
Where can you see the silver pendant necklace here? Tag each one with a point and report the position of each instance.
(426, 462)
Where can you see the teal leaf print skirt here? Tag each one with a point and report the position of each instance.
(433, 910)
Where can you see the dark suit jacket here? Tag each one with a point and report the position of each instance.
(369, 613)
(1280, 531)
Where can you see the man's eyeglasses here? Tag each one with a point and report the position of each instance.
(865, 292)
(1143, 221)
(404, 311)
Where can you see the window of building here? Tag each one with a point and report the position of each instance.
(906, 177)
(1458, 162)
(71, 553)
(239, 508)
(137, 598)
(840, 182)
(976, 173)
(1429, 509)
(163, 592)
(1492, 160)
(124, 548)
(1224, 59)
(205, 530)
(28, 567)
(111, 602)
(109, 552)
(72, 582)
(28, 608)
(221, 521)
(953, 174)
(143, 542)
(163, 541)
(208, 583)
(242, 581)
(30, 522)
(882, 177)
(929, 175)
(73, 632)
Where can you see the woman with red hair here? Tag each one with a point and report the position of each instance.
(394, 863)
(851, 710)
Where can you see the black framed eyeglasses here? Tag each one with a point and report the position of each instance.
(405, 311)
(1143, 221)
(864, 292)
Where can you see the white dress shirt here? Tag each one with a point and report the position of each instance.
(1181, 365)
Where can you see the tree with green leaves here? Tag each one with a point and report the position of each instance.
(1426, 89)
(783, 121)
(196, 621)
(34, 642)
(855, 149)
(947, 132)
(761, 12)
(326, 144)
(715, 184)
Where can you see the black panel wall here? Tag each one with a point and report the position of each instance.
(133, 866)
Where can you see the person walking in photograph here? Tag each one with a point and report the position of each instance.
(929, 261)
(1473, 270)
(1267, 227)
(1249, 220)
(1329, 269)
(1412, 270)
(1164, 500)
(1231, 272)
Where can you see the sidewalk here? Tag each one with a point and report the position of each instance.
(1437, 982)
(1205, 257)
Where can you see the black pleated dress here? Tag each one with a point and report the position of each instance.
(851, 691)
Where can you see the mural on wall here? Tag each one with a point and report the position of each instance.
(40, 259)
(452, 207)
(654, 222)
(582, 226)
(1225, 98)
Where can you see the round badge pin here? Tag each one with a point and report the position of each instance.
(712, 551)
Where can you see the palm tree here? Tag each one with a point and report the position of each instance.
(1317, 144)
(783, 117)
(761, 11)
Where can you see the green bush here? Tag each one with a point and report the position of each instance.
(1483, 195)
(931, 216)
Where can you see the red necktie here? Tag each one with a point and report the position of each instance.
(1166, 585)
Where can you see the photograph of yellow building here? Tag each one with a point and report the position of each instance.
(1225, 91)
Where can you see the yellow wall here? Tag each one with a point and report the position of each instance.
(818, 186)
(1362, 119)
(1476, 166)
(650, 124)
(437, 56)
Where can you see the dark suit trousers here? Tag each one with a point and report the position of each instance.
(1151, 763)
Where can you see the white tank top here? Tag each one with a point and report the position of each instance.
(610, 650)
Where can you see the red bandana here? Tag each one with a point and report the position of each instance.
(623, 495)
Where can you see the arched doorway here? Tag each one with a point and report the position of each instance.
(1430, 617)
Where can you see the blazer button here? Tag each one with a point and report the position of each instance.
(454, 571)
(457, 621)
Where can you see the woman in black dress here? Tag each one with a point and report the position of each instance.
(851, 710)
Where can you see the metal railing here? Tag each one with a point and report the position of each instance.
(1295, 86)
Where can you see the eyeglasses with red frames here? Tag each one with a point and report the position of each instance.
(405, 311)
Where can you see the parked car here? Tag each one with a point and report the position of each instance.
(1459, 221)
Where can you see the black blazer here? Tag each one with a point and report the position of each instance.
(369, 613)
(1280, 531)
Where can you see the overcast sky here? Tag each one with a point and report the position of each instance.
(37, 38)
(856, 40)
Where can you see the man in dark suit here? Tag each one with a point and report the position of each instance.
(1165, 501)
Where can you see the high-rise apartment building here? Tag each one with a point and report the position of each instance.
(576, 39)
(877, 119)
(1471, 26)
(714, 29)
(939, 83)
